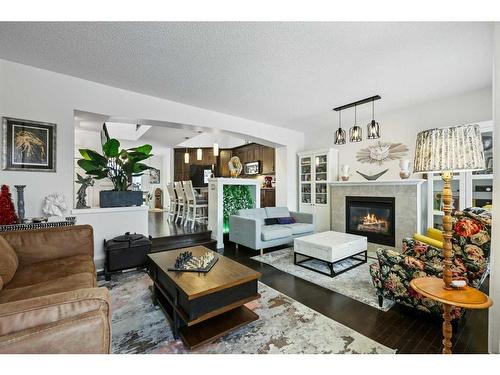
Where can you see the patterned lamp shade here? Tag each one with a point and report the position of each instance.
(457, 148)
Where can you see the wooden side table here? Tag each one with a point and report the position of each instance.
(467, 297)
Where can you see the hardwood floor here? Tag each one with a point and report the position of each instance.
(159, 226)
(399, 328)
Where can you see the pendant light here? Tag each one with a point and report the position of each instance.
(199, 154)
(340, 133)
(216, 149)
(373, 129)
(186, 157)
(355, 133)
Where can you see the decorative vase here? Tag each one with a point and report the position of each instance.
(20, 201)
(344, 172)
(404, 169)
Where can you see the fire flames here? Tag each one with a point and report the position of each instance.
(371, 223)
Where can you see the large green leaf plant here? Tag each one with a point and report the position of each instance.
(118, 165)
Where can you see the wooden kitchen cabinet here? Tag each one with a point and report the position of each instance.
(267, 160)
(267, 198)
(224, 157)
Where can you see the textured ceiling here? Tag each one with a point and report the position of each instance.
(287, 74)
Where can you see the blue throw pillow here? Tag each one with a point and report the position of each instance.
(286, 220)
(271, 221)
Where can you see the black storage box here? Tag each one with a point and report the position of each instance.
(125, 252)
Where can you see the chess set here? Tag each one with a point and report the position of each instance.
(186, 262)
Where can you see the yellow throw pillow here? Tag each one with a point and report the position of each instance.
(8, 261)
(436, 234)
(428, 240)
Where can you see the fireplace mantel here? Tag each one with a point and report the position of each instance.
(379, 182)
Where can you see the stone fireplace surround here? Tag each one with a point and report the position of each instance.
(410, 205)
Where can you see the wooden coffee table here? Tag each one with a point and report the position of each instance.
(203, 306)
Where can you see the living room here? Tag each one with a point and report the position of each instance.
(207, 187)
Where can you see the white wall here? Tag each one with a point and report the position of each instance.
(401, 126)
(494, 313)
(37, 94)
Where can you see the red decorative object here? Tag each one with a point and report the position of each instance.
(7, 211)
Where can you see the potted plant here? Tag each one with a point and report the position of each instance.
(119, 166)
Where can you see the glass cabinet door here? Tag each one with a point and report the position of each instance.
(321, 196)
(321, 167)
(305, 192)
(306, 179)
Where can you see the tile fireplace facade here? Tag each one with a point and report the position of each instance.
(409, 209)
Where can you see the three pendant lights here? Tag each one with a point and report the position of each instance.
(356, 133)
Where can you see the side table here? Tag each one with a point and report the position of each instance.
(467, 297)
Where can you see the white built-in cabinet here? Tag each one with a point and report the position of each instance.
(316, 169)
(469, 189)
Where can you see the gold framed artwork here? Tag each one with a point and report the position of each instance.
(28, 145)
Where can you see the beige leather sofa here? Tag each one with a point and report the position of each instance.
(49, 302)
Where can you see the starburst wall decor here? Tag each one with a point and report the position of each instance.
(381, 152)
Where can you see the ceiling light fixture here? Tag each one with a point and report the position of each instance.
(340, 133)
(373, 129)
(216, 149)
(355, 133)
(199, 154)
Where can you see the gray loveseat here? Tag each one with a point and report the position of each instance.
(247, 227)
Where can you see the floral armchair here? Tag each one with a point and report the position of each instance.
(471, 241)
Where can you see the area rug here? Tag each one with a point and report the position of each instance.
(285, 326)
(355, 283)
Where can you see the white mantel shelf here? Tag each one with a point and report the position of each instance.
(378, 182)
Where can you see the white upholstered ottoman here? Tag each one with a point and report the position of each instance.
(330, 247)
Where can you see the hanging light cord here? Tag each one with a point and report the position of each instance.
(340, 119)
(355, 115)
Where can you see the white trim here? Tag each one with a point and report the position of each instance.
(382, 182)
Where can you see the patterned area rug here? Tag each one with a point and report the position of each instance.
(356, 283)
(284, 326)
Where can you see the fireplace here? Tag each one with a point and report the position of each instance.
(372, 217)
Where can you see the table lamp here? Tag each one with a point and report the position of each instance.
(448, 150)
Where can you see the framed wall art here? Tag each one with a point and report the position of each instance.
(154, 176)
(28, 145)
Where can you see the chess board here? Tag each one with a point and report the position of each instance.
(191, 266)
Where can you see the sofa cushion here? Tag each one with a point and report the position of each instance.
(286, 220)
(253, 213)
(274, 232)
(271, 221)
(277, 212)
(60, 285)
(8, 261)
(301, 228)
(51, 269)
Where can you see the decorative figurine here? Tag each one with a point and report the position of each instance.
(235, 166)
(20, 201)
(81, 194)
(54, 205)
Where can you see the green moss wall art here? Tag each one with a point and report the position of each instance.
(235, 197)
